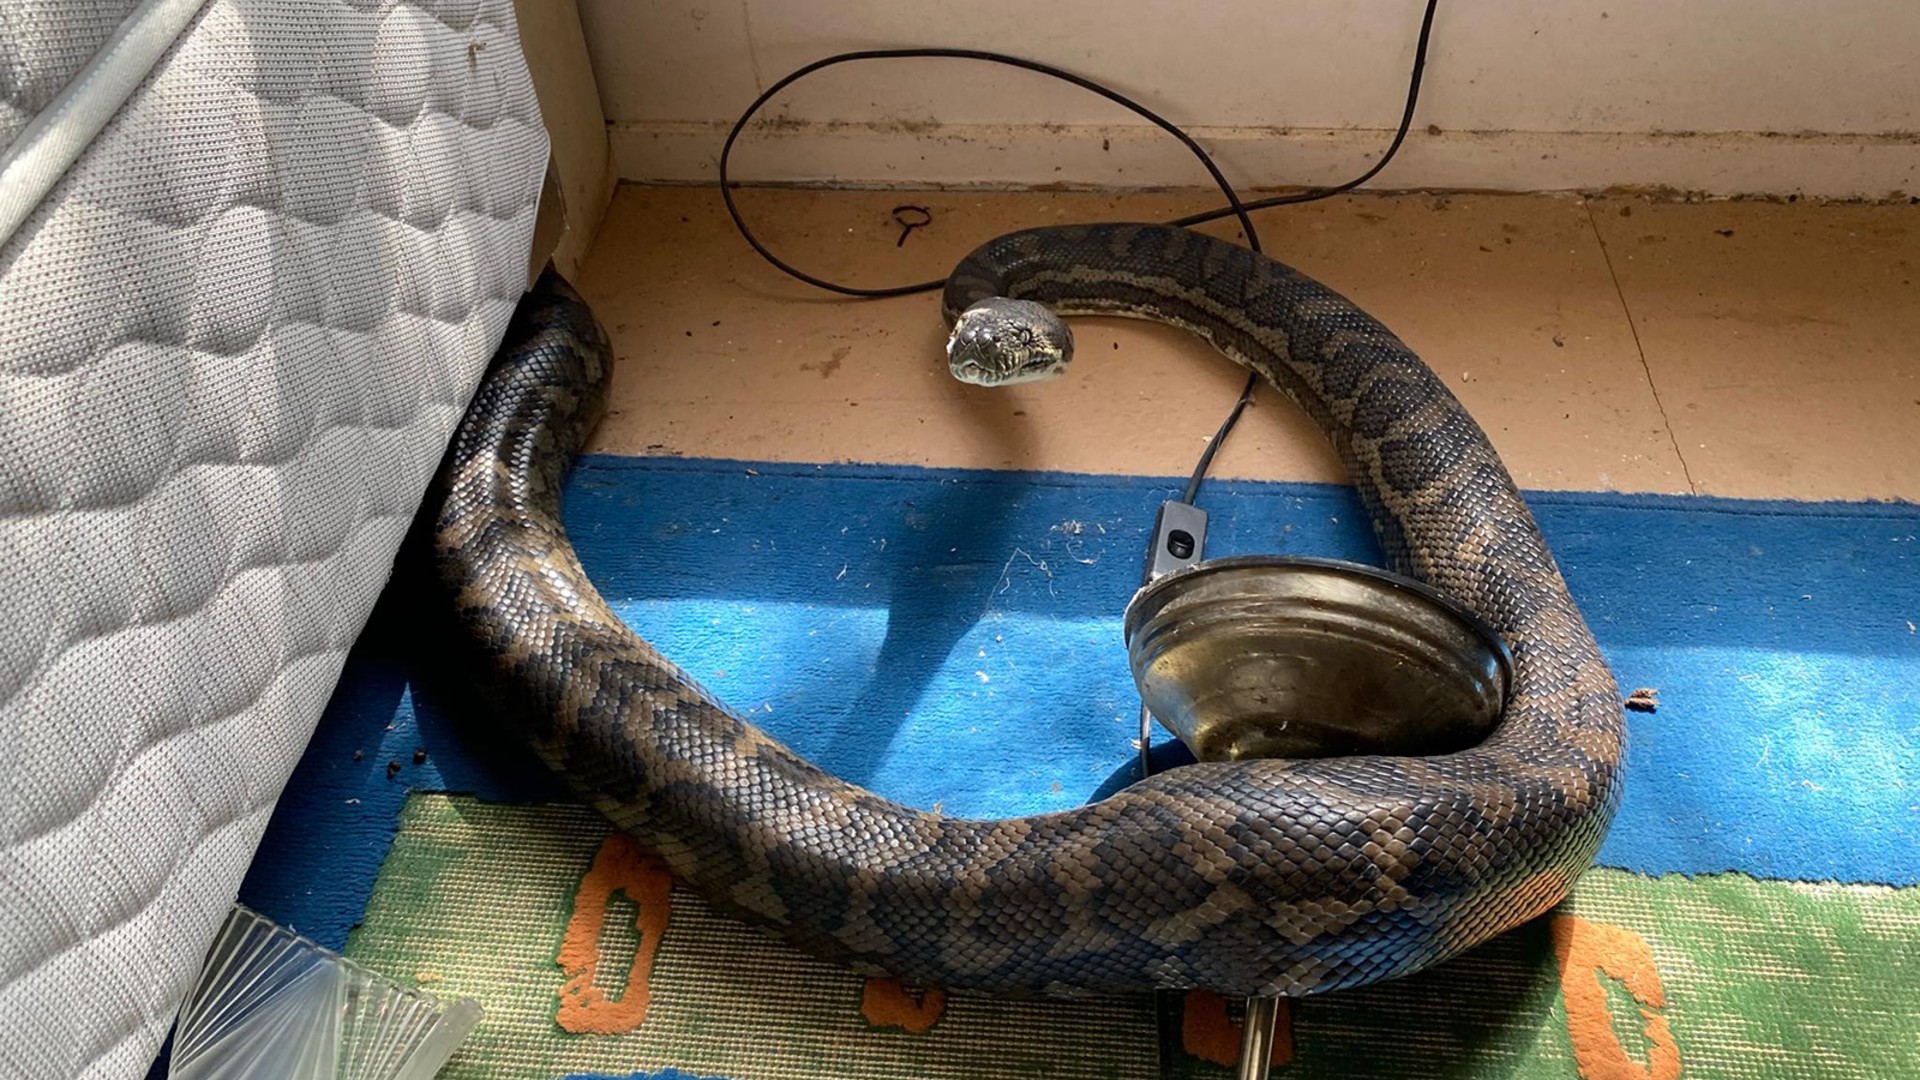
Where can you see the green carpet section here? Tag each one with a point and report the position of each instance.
(1758, 979)
(538, 914)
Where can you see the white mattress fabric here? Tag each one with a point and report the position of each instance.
(43, 45)
(234, 339)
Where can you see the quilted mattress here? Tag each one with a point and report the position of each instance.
(235, 333)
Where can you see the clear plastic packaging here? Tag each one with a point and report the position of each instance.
(272, 1004)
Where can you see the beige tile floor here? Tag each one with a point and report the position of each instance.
(1618, 343)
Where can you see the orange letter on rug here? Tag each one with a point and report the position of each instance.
(619, 866)
(886, 1003)
(1587, 950)
(1206, 1033)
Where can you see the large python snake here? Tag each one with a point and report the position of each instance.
(1249, 877)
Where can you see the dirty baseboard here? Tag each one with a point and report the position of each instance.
(895, 154)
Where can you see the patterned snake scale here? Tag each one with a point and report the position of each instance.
(1267, 877)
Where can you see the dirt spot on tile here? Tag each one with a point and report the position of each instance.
(827, 367)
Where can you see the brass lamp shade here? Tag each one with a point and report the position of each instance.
(1271, 656)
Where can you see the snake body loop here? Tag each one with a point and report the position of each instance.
(1256, 877)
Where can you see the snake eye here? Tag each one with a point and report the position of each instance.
(1023, 335)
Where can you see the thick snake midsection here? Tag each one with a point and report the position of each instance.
(1247, 877)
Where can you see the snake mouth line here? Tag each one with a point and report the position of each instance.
(974, 374)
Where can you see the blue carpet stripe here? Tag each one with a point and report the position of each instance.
(953, 637)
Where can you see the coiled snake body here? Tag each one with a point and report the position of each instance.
(1248, 877)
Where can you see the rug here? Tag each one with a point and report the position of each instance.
(951, 639)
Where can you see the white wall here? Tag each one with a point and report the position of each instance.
(1716, 95)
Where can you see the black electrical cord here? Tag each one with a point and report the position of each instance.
(726, 149)
(1399, 136)
(1234, 208)
(1200, 467)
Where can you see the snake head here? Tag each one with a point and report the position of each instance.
(1000, 341)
